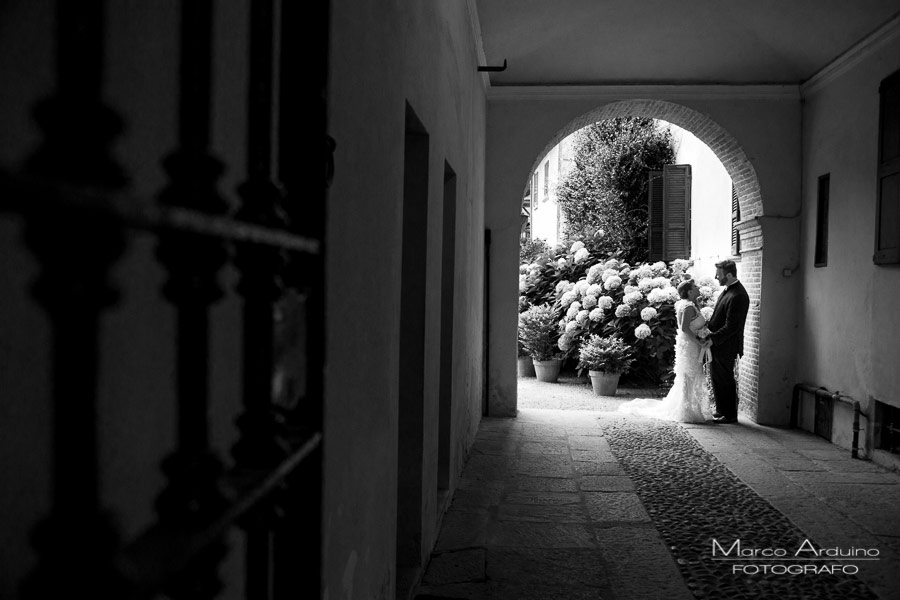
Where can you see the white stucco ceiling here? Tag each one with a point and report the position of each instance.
(588, 42)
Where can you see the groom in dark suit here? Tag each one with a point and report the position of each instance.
(726, 332)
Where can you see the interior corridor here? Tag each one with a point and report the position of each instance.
(574, 504)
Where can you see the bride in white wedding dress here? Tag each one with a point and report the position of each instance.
(688, 400)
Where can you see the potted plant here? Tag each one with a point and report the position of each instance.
(526, 365)
(605, 358)
(538, 333)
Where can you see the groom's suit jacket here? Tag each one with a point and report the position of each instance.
(726, 326)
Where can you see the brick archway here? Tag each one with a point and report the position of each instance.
(743, 175)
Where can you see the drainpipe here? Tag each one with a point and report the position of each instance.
(835, 397)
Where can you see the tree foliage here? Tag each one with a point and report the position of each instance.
(607, 187)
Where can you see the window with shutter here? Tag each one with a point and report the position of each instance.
(735, 219)
(655, 210)
(887, 220)
(821, 251)
(534, 191)
(677, 211)
(546, 180)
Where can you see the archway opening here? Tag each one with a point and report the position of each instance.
(740, 238)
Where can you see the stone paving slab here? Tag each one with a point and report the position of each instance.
(543, 498)
(460, 530)
(540, 513)
(538, 535)
(641, 564)
(605, 483)
(548, 567)
(615, 507)
(593, 456)
(544, 448)
(544, 484)
(456, 567)
(545, 466)
(599, 468)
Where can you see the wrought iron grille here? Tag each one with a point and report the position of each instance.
(79, 220)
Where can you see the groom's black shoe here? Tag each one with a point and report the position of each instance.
(724, 419)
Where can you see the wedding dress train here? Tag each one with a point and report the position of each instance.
(688, 399)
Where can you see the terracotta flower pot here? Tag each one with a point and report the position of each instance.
(604, 383)
(547, 370)
(526, 367)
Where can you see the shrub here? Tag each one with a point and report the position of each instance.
(538, 332)
(607, 354)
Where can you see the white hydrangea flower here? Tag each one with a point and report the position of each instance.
(569, 286)
(595, 289)
(706, 291)
(581, 255)
(609, 273)
(611, 264)
(582, 317)
(571, 325)
(671, 294)
(573, 310)
(565, 342)
(581, 287)
(560, 286)
(648, 313)
(633, 298)
(567, 299)
(657, 296)
(561, 263)
(523, 268)
(596, 314)
(642, 272)
(589, 302)
(613, 282)
(645, 285)
(629, 288)
(642, 331)
(680, 265)
(523, 283)
(605, 302)
(707, 312)
(658, 267)
(661, 282)
(576, 247)
(623, 310)
(594, 274)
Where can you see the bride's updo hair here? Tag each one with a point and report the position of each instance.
(684, 287)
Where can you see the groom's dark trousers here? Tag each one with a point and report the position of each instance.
(726, 330)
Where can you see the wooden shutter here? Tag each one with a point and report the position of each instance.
(887, 222)
(677, 211)
(655, 210)
(735, 219)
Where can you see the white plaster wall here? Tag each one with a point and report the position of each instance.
(710, 201)
(521, 127)
(849, 316)
(383, 56)
(545, 215)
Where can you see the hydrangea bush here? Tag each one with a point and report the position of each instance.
(592, 295)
